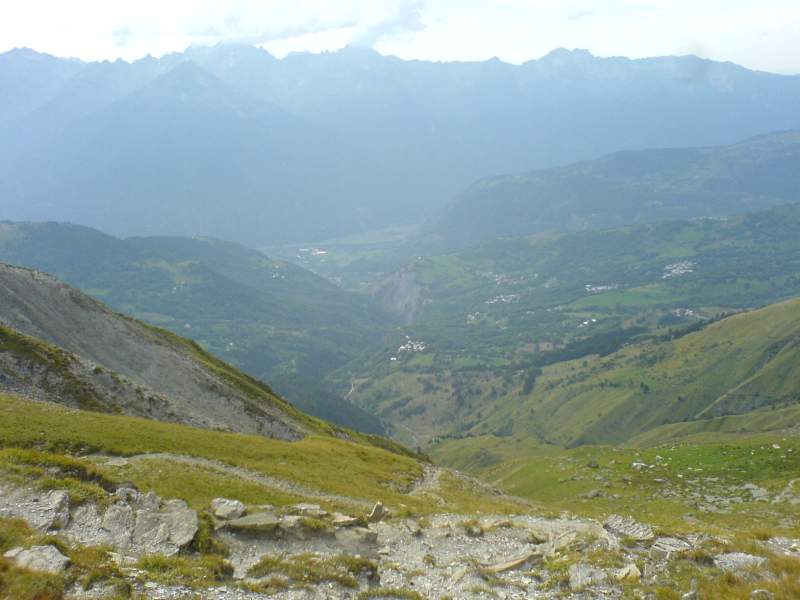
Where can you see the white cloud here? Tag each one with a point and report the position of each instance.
(761, 34)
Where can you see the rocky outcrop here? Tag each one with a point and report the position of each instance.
(133, 524)
(627, 527)
(124, 365)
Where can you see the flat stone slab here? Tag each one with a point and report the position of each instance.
(265, 522)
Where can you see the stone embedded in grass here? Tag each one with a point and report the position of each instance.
(629, 528)
(735, 561)
(664, 547)
(227, 509)
(47, 559)
(582, 576)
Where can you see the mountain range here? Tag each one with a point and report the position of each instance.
(627, 188)
(233, 143)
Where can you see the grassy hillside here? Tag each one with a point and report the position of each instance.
(270, 318)
(316, 462)
(630, 187)
(491, 316)
(692, 482)
(744, 363)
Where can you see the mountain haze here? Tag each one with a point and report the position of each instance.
(630, 187)
(244, 146)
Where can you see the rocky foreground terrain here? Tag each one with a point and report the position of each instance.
(152, 547)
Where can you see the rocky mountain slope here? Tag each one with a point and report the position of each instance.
(628, 188)
(174, 379)
(271, 319)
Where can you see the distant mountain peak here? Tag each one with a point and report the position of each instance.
(567, 54)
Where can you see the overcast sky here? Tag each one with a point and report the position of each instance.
(762, 34)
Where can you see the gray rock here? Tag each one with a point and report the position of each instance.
(264, 522)
(118, 521)
(628, 527)
(757, 493)
(378, 513)
(340, 520)
(735, 561)
(56, 503)
(47, 559)
(181, 521)
(582, 576)
(592, 494)
(665, 547)
(761, 594)
(227, 509)
(136, 524)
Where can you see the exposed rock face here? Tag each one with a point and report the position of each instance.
(628, 527)
(136, 524)
(39, 558)
(227, 509)
(42, 510)
(401, 293)
(169, 382)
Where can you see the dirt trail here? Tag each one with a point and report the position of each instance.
(253, 476)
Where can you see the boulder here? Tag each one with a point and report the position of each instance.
(628, 527)
(227, 509)
(56, 504)
(735, 561)
(181, 522)
(47, 559)
(378, 513)
(582, 576)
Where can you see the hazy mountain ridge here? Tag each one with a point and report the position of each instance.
(630, 187)
(360, 124)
